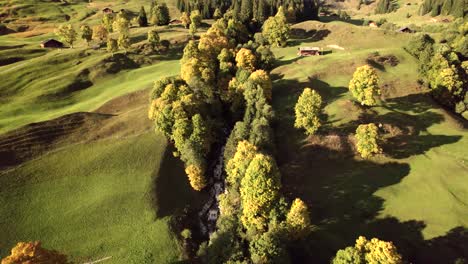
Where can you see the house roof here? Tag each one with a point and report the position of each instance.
(51, 40)
(403, 28)
(309, 49)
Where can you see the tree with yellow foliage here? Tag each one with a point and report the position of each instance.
(276, 29)
(365, 85)
(366, 140)
(364, 251)
(185, 19)
(298, 219)
(246, 59)
(259, 193)
(262, 78)
(33, 252)
(307, 111)
(196, 177)
(100, 33)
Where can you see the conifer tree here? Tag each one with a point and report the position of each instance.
(142, 19)
(298, 219)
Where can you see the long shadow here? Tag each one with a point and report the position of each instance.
(299, 35)
(285, 95)
(340, 189)
(340, 192)
(171, 191)
(328, 19)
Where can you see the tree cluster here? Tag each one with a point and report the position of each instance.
(456, 8)
(443, 66)
(368, 251)
(386, 6)
(256, 11)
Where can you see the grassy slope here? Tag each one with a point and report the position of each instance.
(417, 191)
(97, 200)
(29, 93)
(102, 198)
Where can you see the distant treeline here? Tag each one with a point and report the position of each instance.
(256, 10)
(457, 8)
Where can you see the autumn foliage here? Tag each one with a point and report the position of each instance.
(365, 85)
(33, 253)
(367, 137)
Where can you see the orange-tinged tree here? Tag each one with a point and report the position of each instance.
(196, 177)
(245, 58)
(32, 253)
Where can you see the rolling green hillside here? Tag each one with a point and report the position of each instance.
(414, 194)
(93, 180)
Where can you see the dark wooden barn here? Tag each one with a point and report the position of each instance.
(51, 43)
(308, 51)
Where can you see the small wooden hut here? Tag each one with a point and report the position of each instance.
(107, 10)
(51, 43)
(308, 51)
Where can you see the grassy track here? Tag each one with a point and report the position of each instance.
(97, 200)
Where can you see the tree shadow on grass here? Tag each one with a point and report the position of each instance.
(171, 191)
(340, 192)
(340, 189)
(328, 19)
(285, 95)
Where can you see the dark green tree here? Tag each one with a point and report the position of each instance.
(142, 19)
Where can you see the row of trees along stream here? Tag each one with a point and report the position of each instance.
(224, 83)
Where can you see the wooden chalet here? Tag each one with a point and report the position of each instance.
(175, 22)
(373, 24)
(51, 43)
(308, 51)
(107, 10)
(405, 30)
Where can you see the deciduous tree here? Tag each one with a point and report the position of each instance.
(185, 19)
(100, 33)
(365, 85)
(153, 38)
(307, 111)
(196, 177)
(86, 33)
(276, 29)
(259, 192)
(366, 140)
(33, 252)
(365, 251)
(124, 42)
(195, 18)
(112, 46)
(67, 33)
(246, 59)
(298, 219)
(107, 21)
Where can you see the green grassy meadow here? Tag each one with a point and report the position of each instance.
(117, 191)
(416, 194)
(108, 198)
